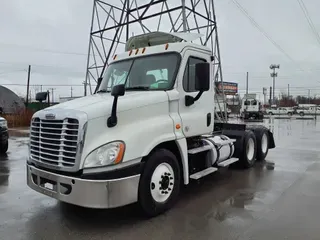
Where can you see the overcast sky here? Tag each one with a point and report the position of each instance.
(53, 37)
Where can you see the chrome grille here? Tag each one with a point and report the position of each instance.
(54, 142)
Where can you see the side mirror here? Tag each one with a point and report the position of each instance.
(202, 82)
(116, 91)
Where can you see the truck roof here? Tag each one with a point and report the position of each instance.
(159, 42)
(159, 38)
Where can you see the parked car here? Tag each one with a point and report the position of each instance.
(3, 135)
(314, 110)
(280, 111)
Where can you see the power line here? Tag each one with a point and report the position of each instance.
(44, 49)
(255, 24)
(309, 20)
(45, 85)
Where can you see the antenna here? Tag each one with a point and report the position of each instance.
(113, 22)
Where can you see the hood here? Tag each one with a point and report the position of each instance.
(1, 119)
(99, 105)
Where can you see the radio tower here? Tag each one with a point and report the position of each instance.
(114, 23)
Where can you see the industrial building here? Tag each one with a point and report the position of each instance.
(9, 101)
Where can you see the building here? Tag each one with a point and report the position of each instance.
(9, 101)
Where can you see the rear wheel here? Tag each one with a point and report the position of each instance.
(301, 114)
(4, 148)
(249, 150)
(262, 137)
(159, 185)
(289, 113)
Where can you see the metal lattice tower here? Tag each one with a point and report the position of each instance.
(114, 23)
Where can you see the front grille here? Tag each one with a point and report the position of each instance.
(54, 142)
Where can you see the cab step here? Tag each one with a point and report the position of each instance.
(203, 173)
(228, 162)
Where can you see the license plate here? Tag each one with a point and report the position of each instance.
(48, 186)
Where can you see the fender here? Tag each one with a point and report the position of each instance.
(183, 149)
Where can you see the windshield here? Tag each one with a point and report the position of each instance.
(156, 72)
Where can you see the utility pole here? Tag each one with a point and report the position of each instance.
(274, 75)
(309, 96)
(264, 91)
(71, 91)
(28, 85)
(247, 87)
(270, 93)
(85, 88)
(288, 91)
(52, 96)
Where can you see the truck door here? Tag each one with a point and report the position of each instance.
(198, 118)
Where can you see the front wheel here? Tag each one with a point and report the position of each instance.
(159, 185)
(4, 148)
(301, 114)
(289, 113)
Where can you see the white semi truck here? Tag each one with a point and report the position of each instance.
(148, 129)
(251, 107)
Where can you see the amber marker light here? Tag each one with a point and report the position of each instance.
(120, 154)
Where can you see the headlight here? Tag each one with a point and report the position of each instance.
(4, 124)
(108, 154)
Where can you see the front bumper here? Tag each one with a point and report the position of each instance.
(84, 192)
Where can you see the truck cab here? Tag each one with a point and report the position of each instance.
(3, 135)
(251, 107)
(148, 129)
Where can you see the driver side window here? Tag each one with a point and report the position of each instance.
(189, 77)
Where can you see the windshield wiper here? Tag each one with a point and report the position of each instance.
(138, 88)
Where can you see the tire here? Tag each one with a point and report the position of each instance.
(289, 113)
(262, 138)
(158, 192)
(270, 113)
(249, 150)
(4, 148)
(301, 114)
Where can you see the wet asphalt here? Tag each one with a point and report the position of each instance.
(259, 203)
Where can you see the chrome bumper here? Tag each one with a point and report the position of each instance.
(83, 192)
